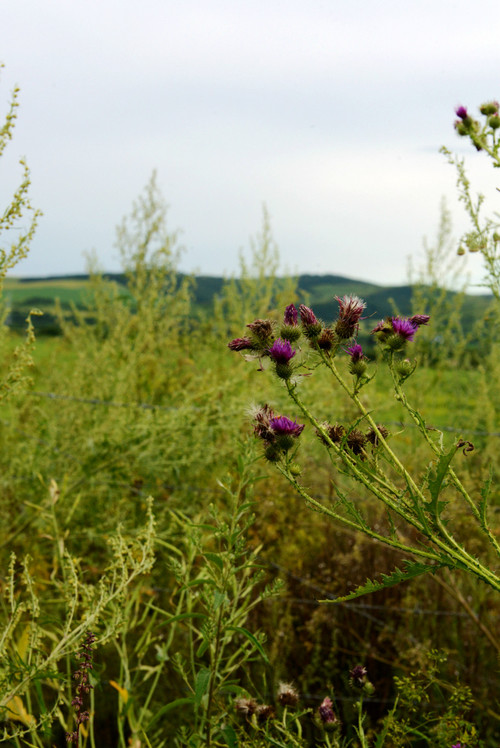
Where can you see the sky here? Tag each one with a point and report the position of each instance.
(330, 113)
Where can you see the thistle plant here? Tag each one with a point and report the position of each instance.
(420, 523)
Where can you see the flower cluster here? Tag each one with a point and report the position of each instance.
(83, 687)
(355, 440)
(395, 332)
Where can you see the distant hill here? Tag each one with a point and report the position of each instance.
(318, 291)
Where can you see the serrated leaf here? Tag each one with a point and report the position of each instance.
(436, 479)
(201, 685)
(413, 569)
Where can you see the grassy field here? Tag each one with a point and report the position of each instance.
(148, 403)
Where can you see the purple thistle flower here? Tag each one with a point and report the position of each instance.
(350, 311)
(457, 745)
(326, 713)
(307, 316)
(358, 675)
(355, 352)
(281, 351)
(419, 319)
(461, 112)
(404, 328)
(291, 316)
(240, 344)
(283, 426)
(262, 427)
(380, 327)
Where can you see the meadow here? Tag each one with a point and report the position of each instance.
(169, 563)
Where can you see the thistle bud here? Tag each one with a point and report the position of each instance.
(460, 251)
(494, 121)
(311, 325)
(490, 107)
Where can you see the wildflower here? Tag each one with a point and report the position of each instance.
(350, 311)
(373, 435)
(490, 107)
(326, 714)
(326, 339)
(291, 316)
(404, 328)
(240, 344)
(494, 121)
(264, 712)
(355, 352)
(457, 745)
(283, 426)
(461, 111)
(84, 687)
(358, 676)
(356, 441)
(419, 319)
(311, 325)
(262, 427)
(359, 679)
(395, 332)
(287, 695)
(262, 333)
(281, 353)
(357, 364)
(245, 707)
(290, 329)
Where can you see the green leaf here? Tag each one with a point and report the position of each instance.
(412, 569)
(201, 685)
(229, 736)
(216, 559)
(252, 639)
(436, 479)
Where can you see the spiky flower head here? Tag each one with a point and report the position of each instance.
(334, 433)
(461, 111)
(245, 707)
(262, 417)
(457, 745)
(326, 339)
(262, 332)
(264, 712)
(287, 695)
(489, 107)
(311, 325)
(419, 319)
(291, 316)
(358, 676)
(356, 441)
(281, 351)
(240, 344)
(350, 311)
(326, 713)
(373, 436)
(355, 352)
(283, 426)
(404, 327)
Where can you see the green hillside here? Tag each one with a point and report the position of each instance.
(318, 291)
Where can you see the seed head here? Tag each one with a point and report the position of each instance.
(287, 695)
(356, 440)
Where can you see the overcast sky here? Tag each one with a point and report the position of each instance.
(329, 112)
